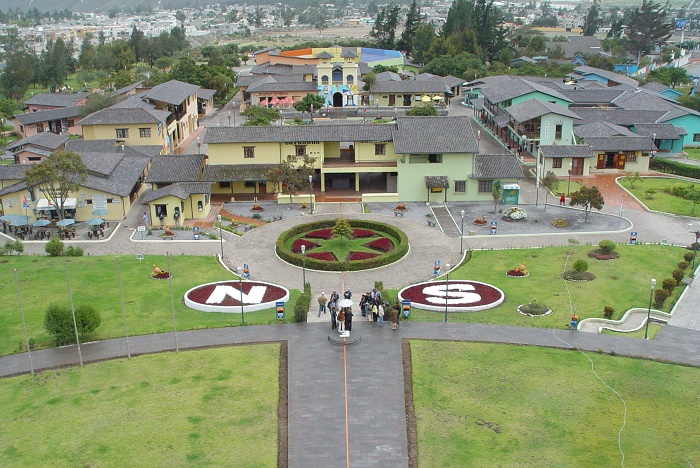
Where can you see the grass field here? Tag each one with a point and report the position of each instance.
(94, 280)
(654, 328)
(618, 283)
(501, 405)
(692, 153)
(661, 201)
(213, 407)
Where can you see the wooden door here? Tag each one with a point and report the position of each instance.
(577, 166)
(601, 161)
(392, 100)
(621, 161)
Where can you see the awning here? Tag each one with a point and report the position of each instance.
(437, 182)
(44, 204)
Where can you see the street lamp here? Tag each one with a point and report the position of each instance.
(240, 287)
(478, 139)
(303, 267)
(651, 295)
(694, 246)
(229, 118)
(311, 113)
(568, 188)
(376, 106)
(447, 288)
(311, 193)
(221, 238)
(461, 238)
(199, 147)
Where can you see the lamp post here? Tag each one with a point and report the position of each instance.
(653, 144)
(376, 106)
(694, 246)
(568, 187)
(199, 147)
(229, 118)
(240, 288)
(447, 287)
(311, 113)
(478, 140)
(461, 237)
(303, 267)
(221, 238)
(652, 283)
(311, 194)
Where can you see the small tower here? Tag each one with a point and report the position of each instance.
(324, 68)
(350, 69)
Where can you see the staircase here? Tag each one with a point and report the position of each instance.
(445, 221)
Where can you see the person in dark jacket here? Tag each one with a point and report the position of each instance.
(348, 319)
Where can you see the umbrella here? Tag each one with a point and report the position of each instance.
(19, 221)
(41, 223)
(274, 101)
(7, 217)
(345, 303)
(437, 98)
(100, 211)
(425, 98)
(65, 222)
(95, 222)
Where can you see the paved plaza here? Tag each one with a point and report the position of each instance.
(318, 379)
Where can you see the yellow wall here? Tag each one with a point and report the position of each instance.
(364, 151)
(118, 207)
(188, 209)
(109, 132)
(12, 204)
(232, 153)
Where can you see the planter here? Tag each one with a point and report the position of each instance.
(511, 274)
(576, 277)
(160, 276)
(521, 312)
(601, 255)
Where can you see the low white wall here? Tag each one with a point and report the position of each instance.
(380, 197)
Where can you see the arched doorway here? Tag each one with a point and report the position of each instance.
(338, 100)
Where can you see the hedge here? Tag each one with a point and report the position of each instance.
(301, 306)
(296, 259)
(674, 167)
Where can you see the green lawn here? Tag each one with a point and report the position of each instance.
(654, 328)
(94, 280)
(692, 153)
(661, 201)
(213, 407)
(618, 283)
(502, 405)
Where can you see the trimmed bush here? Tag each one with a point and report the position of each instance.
(325, 256)
(301, 307)
(688, 257)
(607, 246)
(74, 251)
(673, 167)
(678, 275)
(683, 265)
(660, 296)
(58, 322)
(580, 266)
(608, 312)
(54, 247)
(669, 284)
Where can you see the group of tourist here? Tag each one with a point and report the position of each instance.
(371, 306)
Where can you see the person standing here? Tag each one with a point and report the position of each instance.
(381, 316)
(375, 311)
(348, 319)
(341, 321)
(334, 323)
(562, 199)
(398, 307)
(347, 294)
(394, 317)
(322, 303)
(145, 218)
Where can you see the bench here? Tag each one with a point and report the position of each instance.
(168, 237)
(398, 213)
(432, 223)
(277, 218)
(247, 227)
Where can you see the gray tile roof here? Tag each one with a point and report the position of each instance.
(180, 190)
(91, 146)
(608, 75)
(496, 166)
(437, 182)
(601, 129)
(282, 69)
(102, 164)
(387, 76)
(13, 171)
(347, 53)
(681, 130)
(13, 188)
(292, 133)
(31, 118)
(578, 44)
(47, 140)
(644, 100)
(655, 87)
(126, 89)
(205, 93)
(122, 180)
(236, 172)
(124, 116)
(504, 87)
(621, 143)
(434, 135)
(566, 151)
(56, 99)
(284, 87)
(175, 168)
(411, 86)
(533, 108)
(150, 151)
(593, 96)
(662, 131)
(618, 116)
(171, 92)
(33, 150)
(324, 55)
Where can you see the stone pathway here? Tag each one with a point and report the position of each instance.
(445, 221)
(633, 320)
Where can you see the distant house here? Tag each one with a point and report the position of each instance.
(661, 89)
(60, 121)
(35, 148)
(128, 126)
(606, 77)
(49, 101)
(205, 101)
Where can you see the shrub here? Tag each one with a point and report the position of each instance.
(683, 265)
(257, 216)
(87, 319)
(54, 247)
(673, 167)
(608, 312)
(650, 193)
(669, 284)
(361, 255)
(660, 296)
(580, 266)
(301, 307)
(534, 308)
(607, 246)
(74, 251)
(58, 322)
(13, 246)
(678, 275)
(382, 244)
(688, 257)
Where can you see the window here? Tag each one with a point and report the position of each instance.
(145, 132)
(460, 186)
(556, 163)
(249, 151)
(122, 133)
(300, 151)
(249, 184)
(557, 131)
(485, 186)
(224, 184)
(630, 157)
(39, 128)
(380, 149)
(70, 123)
(161, 211)
(696, 137)
(434, 158)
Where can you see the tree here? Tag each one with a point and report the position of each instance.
(254, 112)
(648, 27)
(97, 101)
(55, 65)
(405, 42)
(342, 228)
(256, 16)
(180, 17)
(631, 177)
(588, 198)
(422, 40)
(138, 44)
(88, 54)
(305, 104)
(163, 63)
(551, 183)
(496, 193)
(20, 71)
(292, 175)
(482, 17)
(56, 176)
(58, 322)
(384, 30)
(592, 20)
(691, 102)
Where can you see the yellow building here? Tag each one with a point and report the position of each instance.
(128, 126)
(176, 203)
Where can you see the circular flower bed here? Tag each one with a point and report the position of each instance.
(163, 275)
(533, 309)
(257, 208)
(580, 276)
(600, 254)
(560, 223)
(517, 274)
(515, 214)
(457, 296)
(366, 245)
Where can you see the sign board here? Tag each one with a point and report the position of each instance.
(406, 307)
(279, 306)
(99, 201)
(494, 227)
(436, 268)
(140, 228)
(633, 238)
(195, 232)
(246, 271)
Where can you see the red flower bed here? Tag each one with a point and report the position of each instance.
(296, 245)
(325, 256)
(382, 244)
(599, 254)
(515, 273)
(363, 233)
(361, 255)
(201, 295)
(488, 293)
(320, 234)
(160, 276)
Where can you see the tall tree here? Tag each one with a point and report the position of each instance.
(138, 44)
(648, 27)
(421, 41)
(405, 43)
(384, 30)
(20, 70)
(56, 176)
(592, 20)
(482, 17)
(88, 54)
(55, 65)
